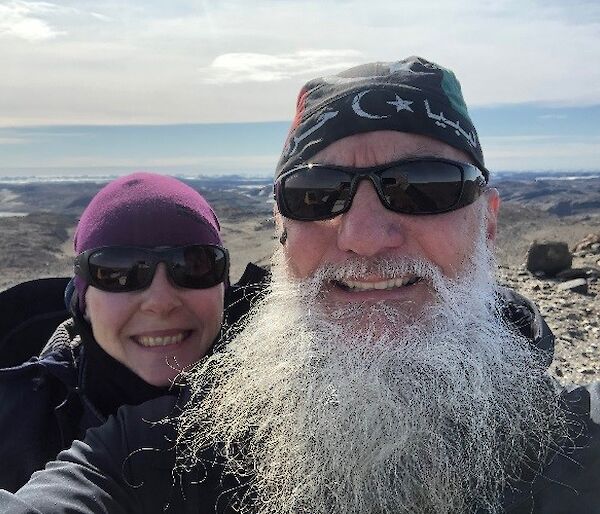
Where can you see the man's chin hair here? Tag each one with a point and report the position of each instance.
(324, 414)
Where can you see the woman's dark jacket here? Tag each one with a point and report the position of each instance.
(126, 466)
(48, 401)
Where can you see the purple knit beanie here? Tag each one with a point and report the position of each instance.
(144, 209)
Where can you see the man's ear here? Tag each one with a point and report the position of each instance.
(493, 206)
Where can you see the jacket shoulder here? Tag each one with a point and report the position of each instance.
(525, 317)
(59, 362)
(29, 432)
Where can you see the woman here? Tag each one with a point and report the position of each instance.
(151, 275)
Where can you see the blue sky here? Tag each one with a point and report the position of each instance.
(210, 85)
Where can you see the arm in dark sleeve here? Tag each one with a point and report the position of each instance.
(27, 428)
(125, 466)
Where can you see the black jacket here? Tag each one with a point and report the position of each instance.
(126, 466)
(47, 402)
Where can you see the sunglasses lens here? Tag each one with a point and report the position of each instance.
(316, 193)
(120, 269)
(409, 187)
(421, 187)
(198, 267)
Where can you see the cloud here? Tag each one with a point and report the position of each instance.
(100, 16)
(150, 61)
(21, 19)
(257, 67)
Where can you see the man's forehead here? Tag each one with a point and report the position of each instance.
(374, 148)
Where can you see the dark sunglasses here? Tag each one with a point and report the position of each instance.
(130, 268)
(314, 192)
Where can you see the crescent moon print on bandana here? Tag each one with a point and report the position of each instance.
(359, 110)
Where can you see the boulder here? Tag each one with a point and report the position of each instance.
(548, 258)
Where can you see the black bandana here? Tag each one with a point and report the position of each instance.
(412, 95)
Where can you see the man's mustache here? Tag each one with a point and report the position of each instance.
(365, 268)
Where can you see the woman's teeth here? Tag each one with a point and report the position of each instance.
(160, 340)
(357, 285)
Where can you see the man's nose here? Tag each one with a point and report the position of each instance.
(368, 228)
(161, 298)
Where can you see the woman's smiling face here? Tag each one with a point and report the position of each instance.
(159, 331)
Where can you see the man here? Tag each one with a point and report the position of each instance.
(384, 371)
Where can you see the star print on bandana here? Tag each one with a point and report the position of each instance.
(401, 105)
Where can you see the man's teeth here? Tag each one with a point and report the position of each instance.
(382, 284)
(160, 340)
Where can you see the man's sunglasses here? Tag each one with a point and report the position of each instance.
(314, 192)
(130, 268)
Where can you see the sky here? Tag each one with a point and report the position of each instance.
(209, 86)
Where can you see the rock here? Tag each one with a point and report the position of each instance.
(570, 274)
(549, 258)
(591, 242)
(578, 285)
(587, 371)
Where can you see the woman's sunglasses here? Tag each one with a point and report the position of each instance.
(129, 268)
(314, 192)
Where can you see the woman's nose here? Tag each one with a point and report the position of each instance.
(161, 297)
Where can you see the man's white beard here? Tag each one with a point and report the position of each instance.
(358, 409)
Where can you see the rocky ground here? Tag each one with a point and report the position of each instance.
(535, 213)
(573, 317)
(34, 246)
(38, 245)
